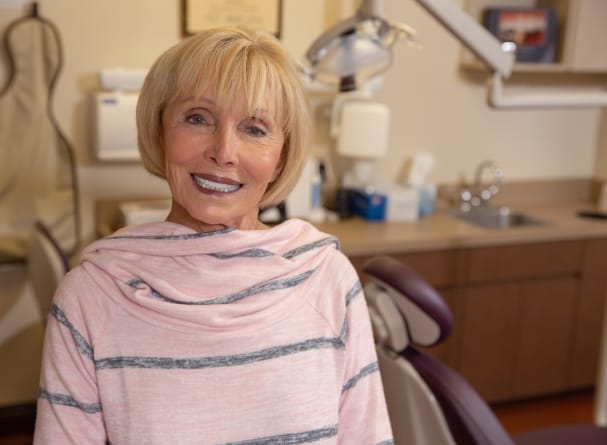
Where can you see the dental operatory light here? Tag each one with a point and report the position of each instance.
(356, 49)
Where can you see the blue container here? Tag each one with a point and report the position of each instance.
(370, 206)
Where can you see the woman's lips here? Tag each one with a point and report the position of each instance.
(214, 184)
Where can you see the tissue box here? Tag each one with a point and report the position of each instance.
(369, 205)
(403, 203)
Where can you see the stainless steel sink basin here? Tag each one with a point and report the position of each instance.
(495, 217)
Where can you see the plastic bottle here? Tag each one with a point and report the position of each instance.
(317, 212)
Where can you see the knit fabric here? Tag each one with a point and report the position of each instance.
(167, 336)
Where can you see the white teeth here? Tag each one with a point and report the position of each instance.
(216, 186)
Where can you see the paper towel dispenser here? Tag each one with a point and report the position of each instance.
(115, 130)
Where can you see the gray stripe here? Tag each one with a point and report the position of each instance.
(186, 236)
(353, 292)
(218, 361)
(344, 330)
(351, 295)
(386, 442)
(66, 400)
(268, 286)
(83, 346)
(306, 247)
(249, 253)
(290, 439)
(364, 372)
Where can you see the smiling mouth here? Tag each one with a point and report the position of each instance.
(216, 186)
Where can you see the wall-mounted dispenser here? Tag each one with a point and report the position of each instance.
(115, 131)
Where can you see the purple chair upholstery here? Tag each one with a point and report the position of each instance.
(469, 418)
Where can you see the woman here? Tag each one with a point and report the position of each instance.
(211, 327)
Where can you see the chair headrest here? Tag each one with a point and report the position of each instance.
(426, 318)
(389, 327)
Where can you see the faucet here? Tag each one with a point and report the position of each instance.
(480, 195)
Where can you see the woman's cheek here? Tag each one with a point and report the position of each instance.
(182, 147)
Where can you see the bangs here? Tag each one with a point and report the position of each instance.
(236, 70)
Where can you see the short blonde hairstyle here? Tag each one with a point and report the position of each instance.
(238, 63)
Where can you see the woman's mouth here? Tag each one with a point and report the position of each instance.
(215, 186)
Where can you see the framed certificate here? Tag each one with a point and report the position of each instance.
(199, 15)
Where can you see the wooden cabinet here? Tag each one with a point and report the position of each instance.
(523, 261)
(581, 28)
(517, 337)
(486, 343)
(589, 312)
(528, 317)
(546, 323)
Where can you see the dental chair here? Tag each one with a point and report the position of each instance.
(46, 265)
(428, 402)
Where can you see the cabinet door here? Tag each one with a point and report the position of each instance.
(517, 338)
(544, 337)
(488, 338)
(524, 261)
(587, 31)
(589, 315)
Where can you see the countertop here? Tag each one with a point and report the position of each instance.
(442, 231)
(555, 202)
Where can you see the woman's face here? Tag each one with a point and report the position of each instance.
(219, 162)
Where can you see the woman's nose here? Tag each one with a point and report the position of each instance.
(225, 148)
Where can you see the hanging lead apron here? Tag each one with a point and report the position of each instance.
(37, 169)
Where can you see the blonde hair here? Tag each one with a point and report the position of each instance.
(238, 63)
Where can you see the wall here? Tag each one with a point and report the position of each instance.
(434, 106)
(437, 108)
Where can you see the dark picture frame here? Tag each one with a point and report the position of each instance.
(532, 30)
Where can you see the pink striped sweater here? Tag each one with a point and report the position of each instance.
(167, 336)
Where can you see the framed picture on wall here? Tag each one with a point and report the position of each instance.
(199, 15)
(532, 30)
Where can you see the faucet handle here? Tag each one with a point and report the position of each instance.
(485, 194)
(498, 181)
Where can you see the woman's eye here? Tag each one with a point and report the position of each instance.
(256, 127)
(195, 119)
(256, 131)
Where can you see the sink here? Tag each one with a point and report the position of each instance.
(495, 217)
